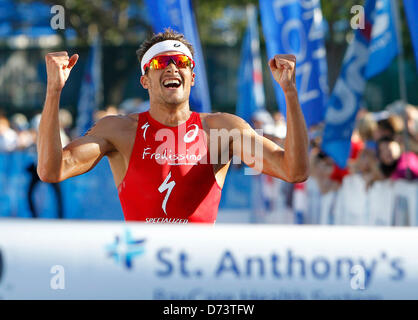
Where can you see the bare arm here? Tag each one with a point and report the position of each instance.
(55, 163)
(291, 163)
(79, 156)
(295, 158)
(260, 153)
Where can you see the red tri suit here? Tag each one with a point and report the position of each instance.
(170, 178)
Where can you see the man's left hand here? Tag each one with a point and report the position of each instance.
(283, 68)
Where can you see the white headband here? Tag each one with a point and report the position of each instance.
(164, 46)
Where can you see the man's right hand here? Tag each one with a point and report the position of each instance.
(58, 68)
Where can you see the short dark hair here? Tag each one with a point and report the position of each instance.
(168, 34)
(386, 124)
(385, 139)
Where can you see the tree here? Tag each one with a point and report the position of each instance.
(117, 21)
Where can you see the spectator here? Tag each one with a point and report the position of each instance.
(393, 163)
(8, 137)
(110, 110)
(134, 105)
(391, 127)
(367, 127)
(322, 168)
(315, 135)
(20, 124)
(412, 127)
(262, 119)
(66, 120)
(367, 164)
(280, 125)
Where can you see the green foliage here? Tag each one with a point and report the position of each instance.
(108, 17)
(220, 22)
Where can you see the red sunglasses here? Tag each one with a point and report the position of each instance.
(161, 62)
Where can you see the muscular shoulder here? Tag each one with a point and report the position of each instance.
(113, 125)
(223, 120)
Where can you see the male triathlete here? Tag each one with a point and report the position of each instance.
(169, 163)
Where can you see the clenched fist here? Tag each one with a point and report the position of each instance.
(283, 68)
(58, 68)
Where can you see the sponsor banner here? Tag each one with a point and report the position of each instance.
(250, 77)
(63, 260)
(411, 12)
(383, 46)
(296, 27)
(370, 52)
(91, 93)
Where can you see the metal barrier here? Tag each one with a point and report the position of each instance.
(385, 203)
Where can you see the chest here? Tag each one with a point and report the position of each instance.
(165, 147)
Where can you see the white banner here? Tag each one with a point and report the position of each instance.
(108, 260)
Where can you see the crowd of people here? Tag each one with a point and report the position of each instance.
(19, 133)
(384, 148)
(384, 145)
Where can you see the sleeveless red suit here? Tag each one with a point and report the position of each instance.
(170, 178)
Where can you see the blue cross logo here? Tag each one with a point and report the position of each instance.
(125, 248)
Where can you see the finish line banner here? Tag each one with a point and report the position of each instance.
(90, 260)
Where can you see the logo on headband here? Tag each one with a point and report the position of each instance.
(176, 45)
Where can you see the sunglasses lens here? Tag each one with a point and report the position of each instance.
(161, 62)
(158, 63)
(183, 61)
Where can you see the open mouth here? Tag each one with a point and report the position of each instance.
(172, 83)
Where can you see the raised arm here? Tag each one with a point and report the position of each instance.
(55, 163)
(295, 157)
(289, 163)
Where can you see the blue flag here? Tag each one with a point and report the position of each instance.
(370, 52)
(178, 15)
(295, 27)
(250, 79)
(383, 44)
(91, 89)
(411, 11)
